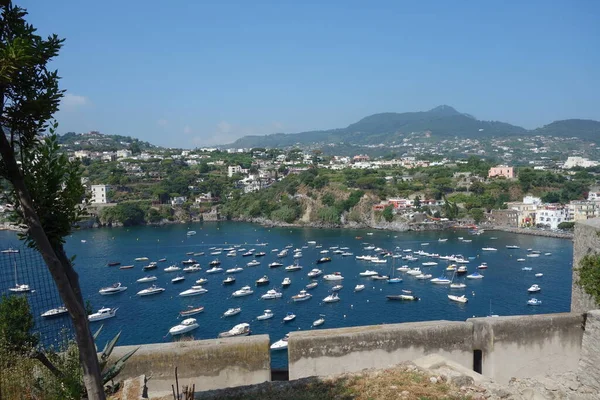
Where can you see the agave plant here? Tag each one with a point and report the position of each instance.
(109, 373)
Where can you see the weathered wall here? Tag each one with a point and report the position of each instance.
(587, 240)
(209, 364)
(528, 345)
(589, 362)
(335, 351)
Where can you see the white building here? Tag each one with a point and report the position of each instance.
(536, 201)
(551, 216)
(124, 154)
(594, 194)
(177, 201)
(100, 194)
(579, 162)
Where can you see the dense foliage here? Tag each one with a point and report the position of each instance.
(589, 275)
(16, 323)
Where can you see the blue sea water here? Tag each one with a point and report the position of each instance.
(503, 291)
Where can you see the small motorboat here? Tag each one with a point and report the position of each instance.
(253, 263)
(539, 275)
(244, 291)
(162, 260)
(423, 277)
(314, 273)
(172, 268)
(10, 250)
(332, 298)
(286, 282)
(359, 288)
(201, 253)
(191, 233)
(264, 280)
(290, 316)
(323, 260)
(141, 259)
(442, 280)
(187, 325)
(414, 271)
(336, 276)
(402, 297)
(318, 322)
(192, 268)
(238, 330)
(275, 264)
(293, 267)
(126, 267)
(189, 253)
(526, 269)
(113, 263)
(229, 280)
(189, 261)
(178, 279)
(297, 255)
(214, 263)
(113, 289)
(489, 249)
(55, 312)
(380, 277)
(429, 264)
(248, 254)
(483, 266)
(457, 286)
(520, 259)
(232, 311)
(271, 294)
(149, 266)
(458, 299)
(534, 288)
(534, 302)
(214, 270)
(475, 275)
(232, 253)
(191, 311)
(336, 288)
(368, 273)
(150, 291)
(312, 285)
(102, 313)
(281, 344)
(512, 246)
(193, 291)
(201, 281)
(267, 314)
(547, 254)
(260, 254)
(283, 253)
(403, 268)
(234, 270)
(533, 255)
(442, 240)
(302, 296)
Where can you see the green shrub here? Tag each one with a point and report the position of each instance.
(329, 215)
(589, 275)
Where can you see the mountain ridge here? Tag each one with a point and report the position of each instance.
(440, 122)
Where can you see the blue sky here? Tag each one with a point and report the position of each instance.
(194, 73)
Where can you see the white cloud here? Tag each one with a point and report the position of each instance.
(72, 101)
(162, 122)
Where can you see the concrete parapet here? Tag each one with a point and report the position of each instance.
(528, 346)
(589, 362)
(209, 364)
(336, 351)
(587, 240)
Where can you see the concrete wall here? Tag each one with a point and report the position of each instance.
(587, 240)
(335, 351)
(529, 345)
(589, 362)
(209, 364)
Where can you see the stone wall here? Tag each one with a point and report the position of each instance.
(587, 240)
(209, 364)
(589, 362)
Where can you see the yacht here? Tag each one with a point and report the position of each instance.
(102, 313)
(318, 322)
(526, 269)
(533, 255)
(244, 291)
(191, 311)
(113, 289)
(312, 285)
(293, 267)
(336, 288)
(461, 270)
(314, 273)
(232, 311)
(264, 280)
(271, 294)
(368, 273)
(55, 312)
(459, 299)
(253, 263)
(260, 254)
(489, 249)
(214, 270)
(378, 261)
(238, 330)
(539, 275)
(229, 280)
(281, 344)
(347, 254)
(336, 276)
(302, 296)
(423, 277)
(429, 264)
(172, 268)
(442, 240)
(232, 253)
(192, 268)
(201, 281)
(141, 259)
(520, 259)
(402, 297)
(191, 233)
(359, 288)
(380, 277)
(286, 282)
(113, 263)
(332, 298)
(297, 255)
(187, 325)
(414, 271)
(193, 291)
(534, 302)
(234, 270)
(150, 291)
(178, 279)
(247, 254)
(475, 275)
(275, 265)
(547, 254)
(215, 263)
(267, 314)
(442, 280)
(189, 261)
(512, 246)
(457, 286)
(10, 250)
(283, 253)
(534, 288)
(483, 266)
(290, 316)
(403, 268)
(323, 260)
(164, 259)
(19, 287)
(149, 267)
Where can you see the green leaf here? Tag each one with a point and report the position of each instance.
(117, 367)
(108, 348)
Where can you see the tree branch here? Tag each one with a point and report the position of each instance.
(41, 357)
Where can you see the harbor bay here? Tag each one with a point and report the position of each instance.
(502, 291)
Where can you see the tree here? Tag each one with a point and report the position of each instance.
(46, 186)
(417, 202)
(388, 213)
(477, 214)
(16, 323)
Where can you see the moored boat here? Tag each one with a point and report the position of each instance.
(238, 330)
(191, 311)
(187, 325)
(102, 314)
(113, 289)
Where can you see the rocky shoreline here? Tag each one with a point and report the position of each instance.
(530, 231)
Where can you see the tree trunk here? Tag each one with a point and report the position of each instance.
(62, 272)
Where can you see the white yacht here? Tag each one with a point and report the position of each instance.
(178, 279)
(534, 288)
(150, 291)
(423, 276)
(359, 288)
(293, 267)
(442, 280)
(19, 287)
(512, 246)
(55, 312)
(336, 276)
(403, 268)
(290, 316)
(234, 270)
(187, 325)
(281, 344)
(192, 268)
(244, 291)
(193, 291)
(534, 302)
(489, 249)
(238, 330)
(539, 275)
(414, 271)
(232, 311)
(253, 263)
(337, 288)
(201, 281)
(302, 296)
(275, 264)
(459, 299)
(318, 322)
(172, 268)
(102, 313)
(475, 275)
(267, 314)
(314, 273)
(368, 273)
(112, 289)
(332, 298)
(457, 286)
(286, 282)
(271, 294)
(214, 270)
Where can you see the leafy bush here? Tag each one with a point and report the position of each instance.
(328, 215)
(589, 275)
(388, 214)
(568, 226)
(286, 214)
(16, 323)
(328, 199)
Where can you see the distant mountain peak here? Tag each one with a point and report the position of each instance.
(445, 110)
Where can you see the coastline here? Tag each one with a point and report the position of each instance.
(532, 232)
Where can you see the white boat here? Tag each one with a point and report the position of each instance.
(283, 253)
(347, 254)
(403, 268)
(293, 267)
(271, 294)
(442, 240)
(378, 261)
(520, 259)
(290, 316)
(232, 253)
(141, 259)
(19, 287)
(150, 291)
(178, 279)
(191, 310)
(234, 270)
(414, 271)
(463, 270)
(286, 282)
(281, 344)
(337, 288)
(489, 249)
(429, 264)
(267, 314)
(336, 276)
(193, 291)
(191, 233)
(55, 312)
(314, 273)
(232, 311)
(244, 291)
(539, 275)
(483, 266)
(229, 280)
(201, 281)
(297, 255)
(512, 246)
(442, 280)
(264, 280)
(192, 268)
(534, 288)
(253, 263)
(312, 285)
(457, 286)
(172, 268)
(423, 276)
(275, 264)
(403, 297)
(302, 296)
(312, 242)
(238, 330)
(318, 322)
(10, 250)
(332, 298)
(369, 248)
(113, 289)
(215, 253)
(532, 255)
(102, 313)
(187, 325)
(368, 273)
(475, 275)
(359, 288)
(526, 269)
(534, 302)
(547, 254)
(459, 299)
(214, 270)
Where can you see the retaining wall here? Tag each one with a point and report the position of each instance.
(587, 240)
(209, 364)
